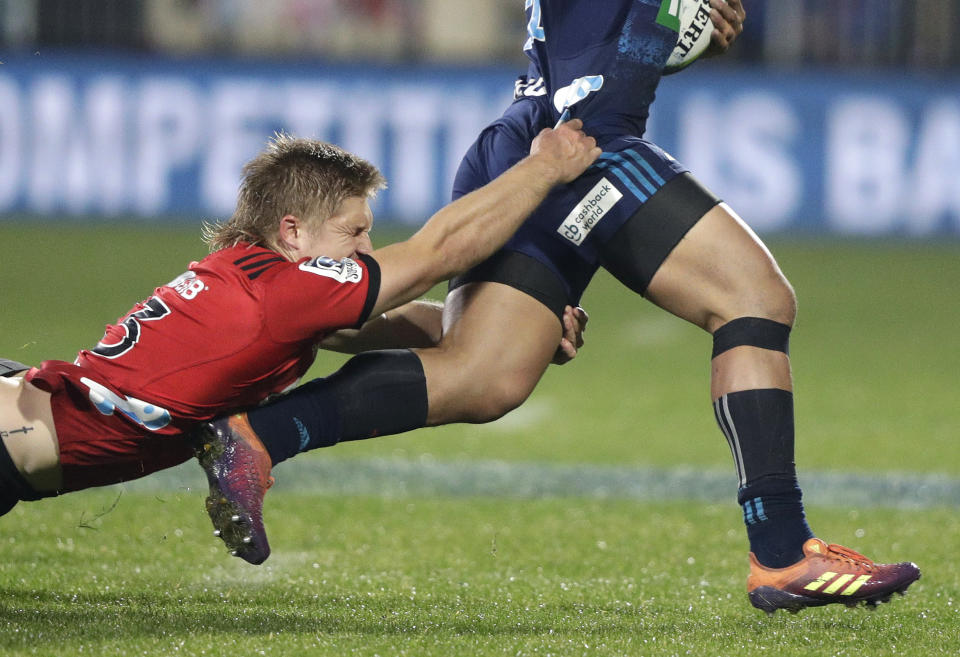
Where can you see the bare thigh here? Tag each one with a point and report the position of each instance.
(28, 433)
(721, 271)
(496, 345)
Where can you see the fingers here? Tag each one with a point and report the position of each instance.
(576, 125)
(585, 146)
(593, 151)
(568, 148)
(737, 7)
(730, 12)
(565, 352)
(582, 318)
(574, 323)
(570, 325)
(728, 18)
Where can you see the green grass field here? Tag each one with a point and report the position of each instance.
(429, 576)
(359, 570)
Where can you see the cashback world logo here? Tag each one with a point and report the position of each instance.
(591, 209)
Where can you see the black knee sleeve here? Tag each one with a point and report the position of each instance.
(521, 272)
(380, 393)
(751, 332)
(11, 367)
(636, 251)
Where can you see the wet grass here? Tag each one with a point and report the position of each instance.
(481, 576)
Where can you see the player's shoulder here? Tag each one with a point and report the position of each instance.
(244, 260)
(316, 295)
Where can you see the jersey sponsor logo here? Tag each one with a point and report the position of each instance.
(344, 271)
(188, 285)
(589, 211)
(143, 413)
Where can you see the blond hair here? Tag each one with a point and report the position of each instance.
(301, 177)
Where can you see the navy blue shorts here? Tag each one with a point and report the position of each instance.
(558, 249)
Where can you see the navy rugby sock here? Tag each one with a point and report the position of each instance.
(377, 393)
(305, 418)
(758, 425)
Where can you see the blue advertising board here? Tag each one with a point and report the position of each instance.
(121, 135)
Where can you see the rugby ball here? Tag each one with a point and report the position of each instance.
(694, 28)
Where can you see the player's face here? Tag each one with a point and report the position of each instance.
(343, 235)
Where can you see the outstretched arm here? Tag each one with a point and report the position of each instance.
(418, 324)
(413, 325)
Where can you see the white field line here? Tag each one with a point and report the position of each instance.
(405, 478)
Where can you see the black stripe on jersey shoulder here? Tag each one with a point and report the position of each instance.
(255, 264)
(269, 264)
(259, 253)
(373, 289)
(260, 263)
(263, 263)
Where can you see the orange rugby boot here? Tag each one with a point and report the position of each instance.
(827, 574)
(238, 471)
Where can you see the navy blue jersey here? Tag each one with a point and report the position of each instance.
(605, 56)
(603, 59)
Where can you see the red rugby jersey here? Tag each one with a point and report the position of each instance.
(237, 326)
